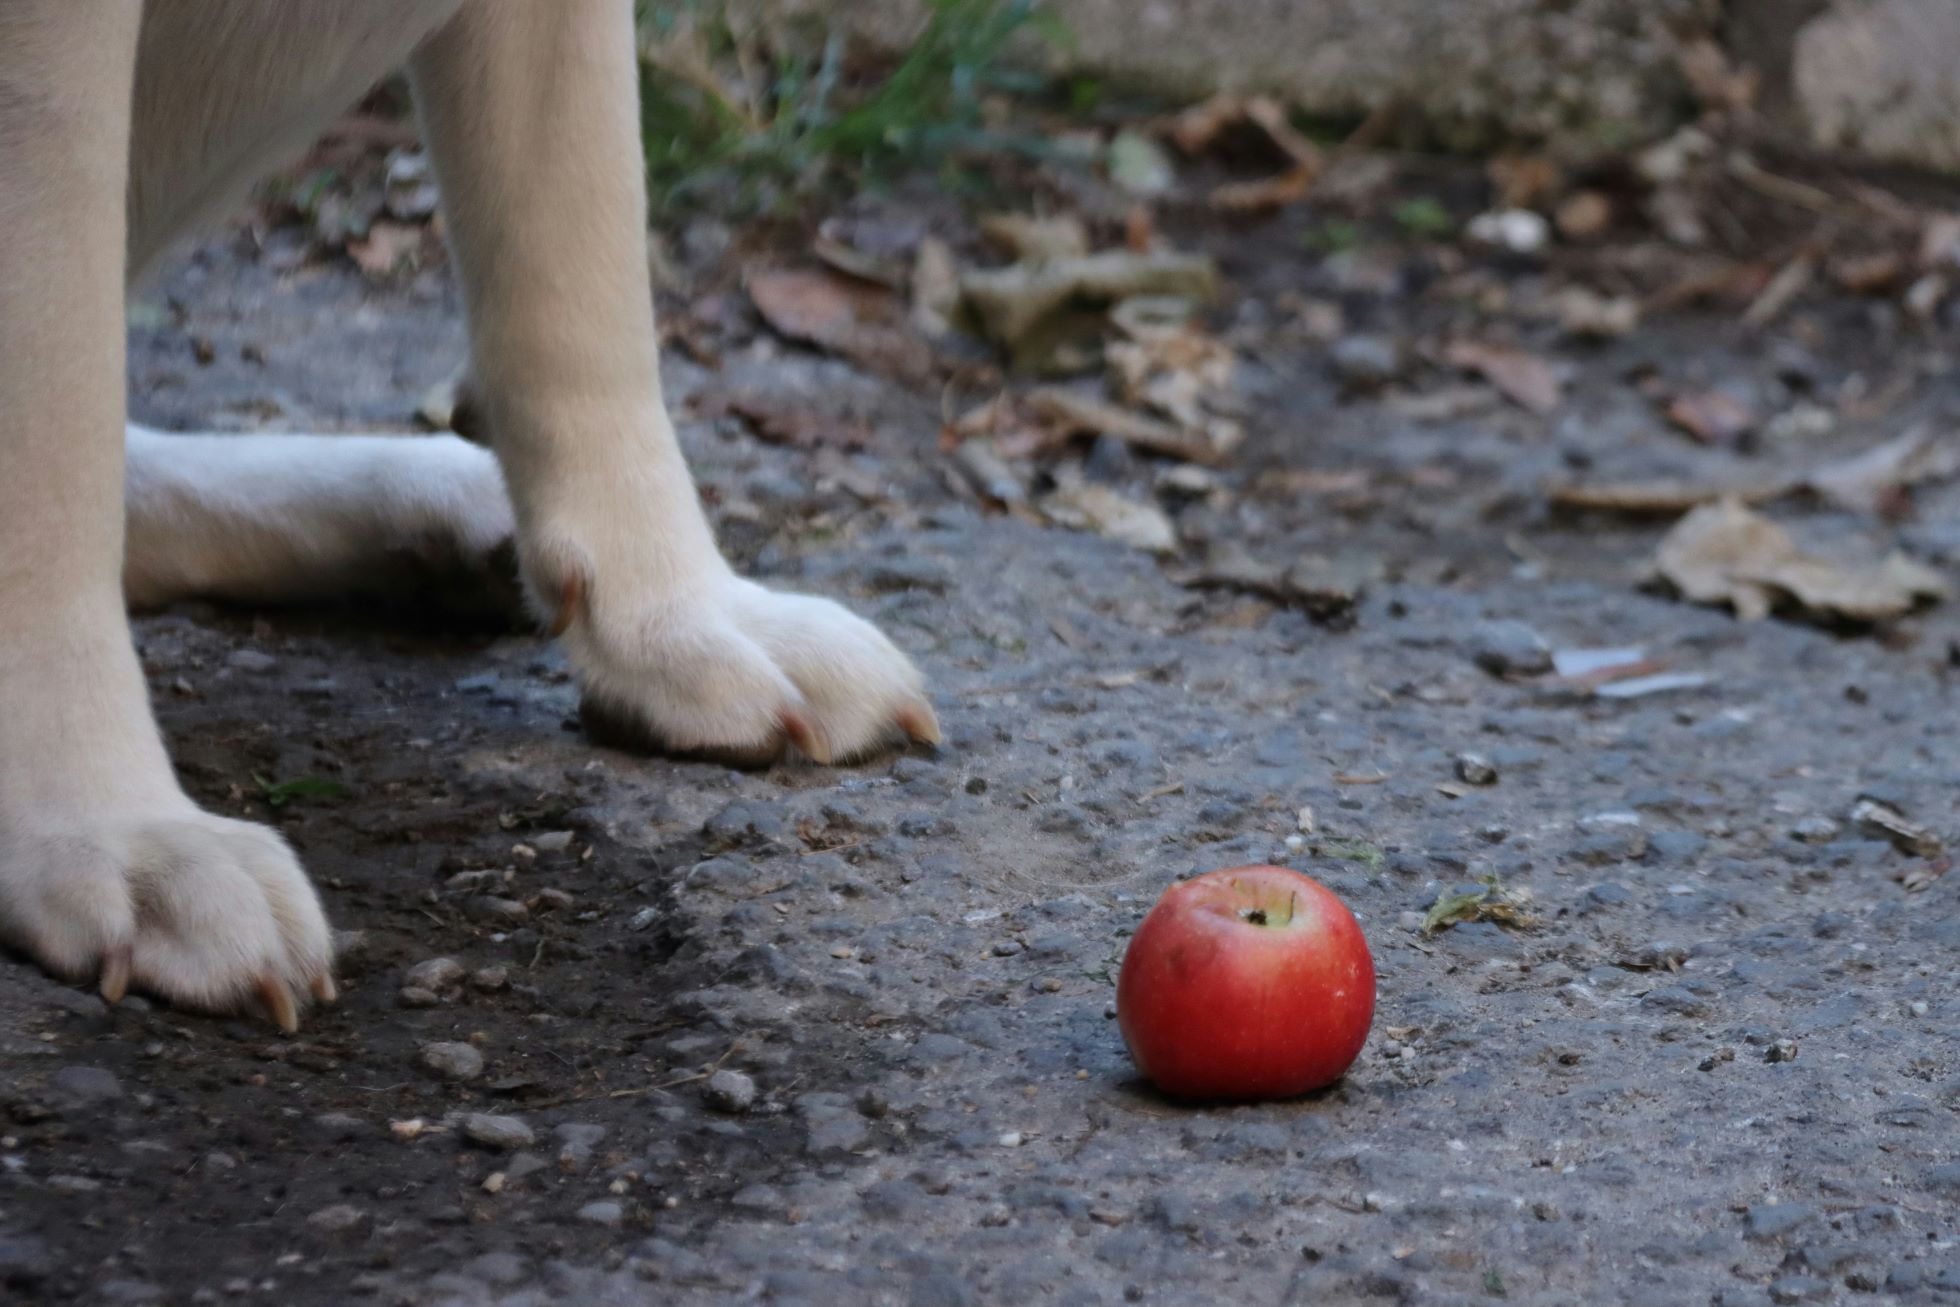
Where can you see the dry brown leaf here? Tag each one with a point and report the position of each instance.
(1031, 239)
(1014, 303)
(782, 420)
(385, 248)
(1583, 215)
(1711, 416)
(1878, 480)
(1524, 181)
(1724, 553)
(1075, 413)
(1274, 192)
(1663, 498)
(1869, 274)
(1525, 379)
(935, 288)
(1086, 505)
(861, 322)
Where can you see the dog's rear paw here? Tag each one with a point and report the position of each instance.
(202, 911)
(738, 672)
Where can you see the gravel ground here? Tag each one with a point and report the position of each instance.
(620, 1030)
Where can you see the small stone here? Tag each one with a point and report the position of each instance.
(1815, 830)
(491, 978)
(342, 1220)
(1797, 1288)
(1773, 1220)
(340, 1127)
(644, 918)
(434, 975)
(1007, 948)
(1364, 363)
(730, 1091)
(416, 996)
(1717, 1058)
(605, 1212)
(251, 660)
(552, 841)
(577, 1141)
(1475, 769)
(453, 1061)
(1508, 648)
(25, 1260)
(85, 1086)
(492, 910)
(1781, 1050)
(492, 1131)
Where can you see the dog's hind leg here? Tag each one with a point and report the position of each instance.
(107, 869)
(282, 518)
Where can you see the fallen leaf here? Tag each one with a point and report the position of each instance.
(1588, 314)
(1016, 303)
(1325, 592)
(1869, 274)
(1887, 822)
(1203, 126)
(1726, 553)
(1491, 903)
(1084, 504)
(1073, 412)
(1712, 417)
(385, 248)
(1273, 192)
(862, 322)
(784, 420)
(1031, 239)
(935, 288)
(1877, 480)
(1583, 215)
(1665, 498)
(1524, 378)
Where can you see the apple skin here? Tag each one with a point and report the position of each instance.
(1215, 1005)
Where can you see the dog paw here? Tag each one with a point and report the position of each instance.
(202, 911)
(732, 670)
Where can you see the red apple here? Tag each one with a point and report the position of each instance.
(1252, 982)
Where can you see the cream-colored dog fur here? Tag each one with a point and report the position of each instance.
(124, 121)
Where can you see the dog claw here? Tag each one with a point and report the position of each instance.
(278, 1002)
(919, 723)
(806, 737)
(113, 983)
(571, 598)
(325, 990)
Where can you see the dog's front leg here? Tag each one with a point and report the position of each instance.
(532, 112)
(107, 869)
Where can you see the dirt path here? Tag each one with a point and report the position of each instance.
(1722, 1067)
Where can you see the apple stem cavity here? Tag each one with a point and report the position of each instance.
(1257, 916)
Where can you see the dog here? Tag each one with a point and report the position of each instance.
(123, 122)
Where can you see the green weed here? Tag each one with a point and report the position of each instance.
(277, 794)
(754, 117)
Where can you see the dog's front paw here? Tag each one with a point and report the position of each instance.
(731, 670)
(203, 911)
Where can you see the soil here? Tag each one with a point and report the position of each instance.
(1718, 1063)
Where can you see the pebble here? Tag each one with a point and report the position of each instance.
(1773, 1220)
(1815, 830)
(1363, 362)
(1781, 1050)
(85, 1085)
(434, 975)
(416, 996)
(552, 841)
(603, 1212)
(1508, 648)
(492, 1131)
(491, 978)
(251, 660)
(1475, 769)
(453, 1061)
(342, 1220)
(730, 1091)
(492, 910)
